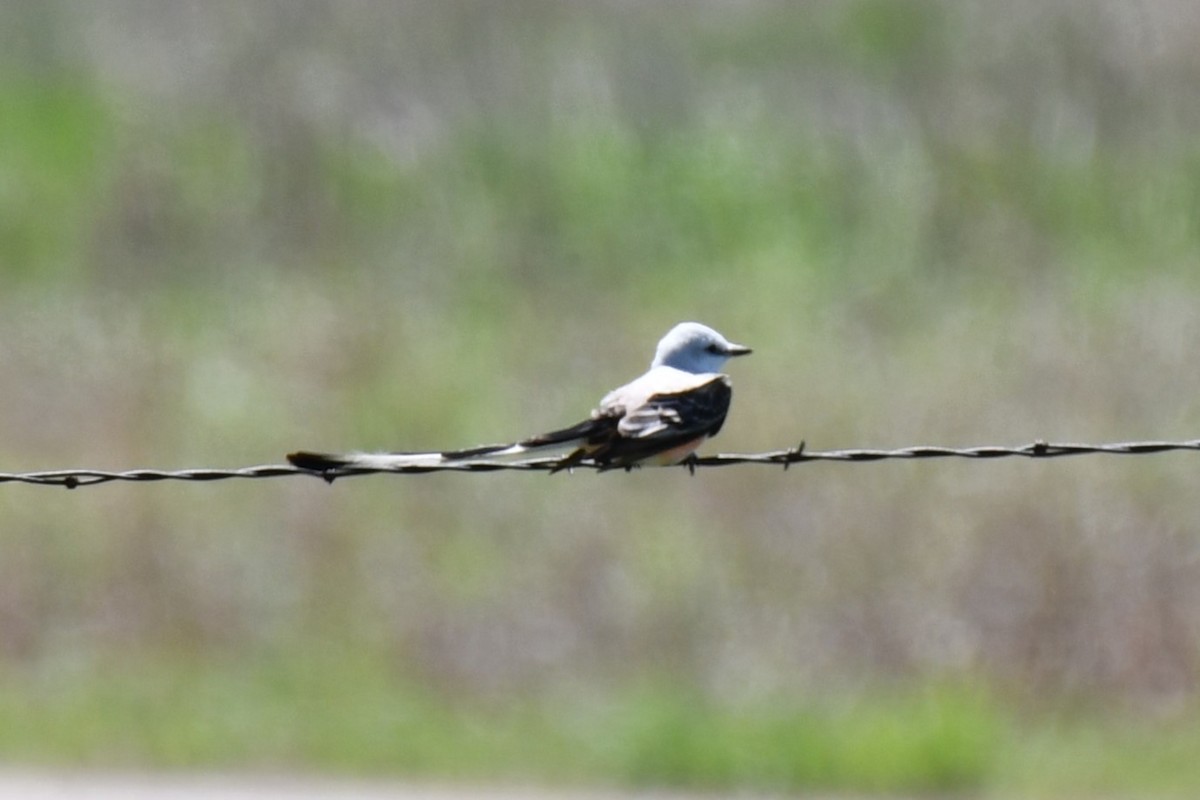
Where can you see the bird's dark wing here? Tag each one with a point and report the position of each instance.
(698, 412)
(662, 422)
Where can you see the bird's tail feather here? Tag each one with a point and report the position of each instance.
(553, 441)
(324, 462)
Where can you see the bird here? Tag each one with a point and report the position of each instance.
(660, 418)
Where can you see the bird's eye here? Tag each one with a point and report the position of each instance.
(715, 349)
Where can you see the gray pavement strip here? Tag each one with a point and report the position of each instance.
(36, 785)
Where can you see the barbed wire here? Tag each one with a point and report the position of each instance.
(74, 478)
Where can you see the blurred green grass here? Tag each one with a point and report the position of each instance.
(226, 235)
(332, 707)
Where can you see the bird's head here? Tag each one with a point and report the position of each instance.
(697, 348)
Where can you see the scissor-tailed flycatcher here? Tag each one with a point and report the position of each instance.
(659, 418)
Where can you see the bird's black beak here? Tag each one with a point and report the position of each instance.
(738, 350)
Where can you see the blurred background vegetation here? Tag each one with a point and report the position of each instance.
(229, 230)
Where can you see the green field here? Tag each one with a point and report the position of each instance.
(231, 232)
(332, 708)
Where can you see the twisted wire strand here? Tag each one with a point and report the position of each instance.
(74, 478)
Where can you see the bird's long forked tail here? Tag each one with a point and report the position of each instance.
(327, 462)
(332, 462)
(554, 441)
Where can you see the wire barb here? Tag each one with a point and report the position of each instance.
(75, 478)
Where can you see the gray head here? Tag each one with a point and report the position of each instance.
(697, 348)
